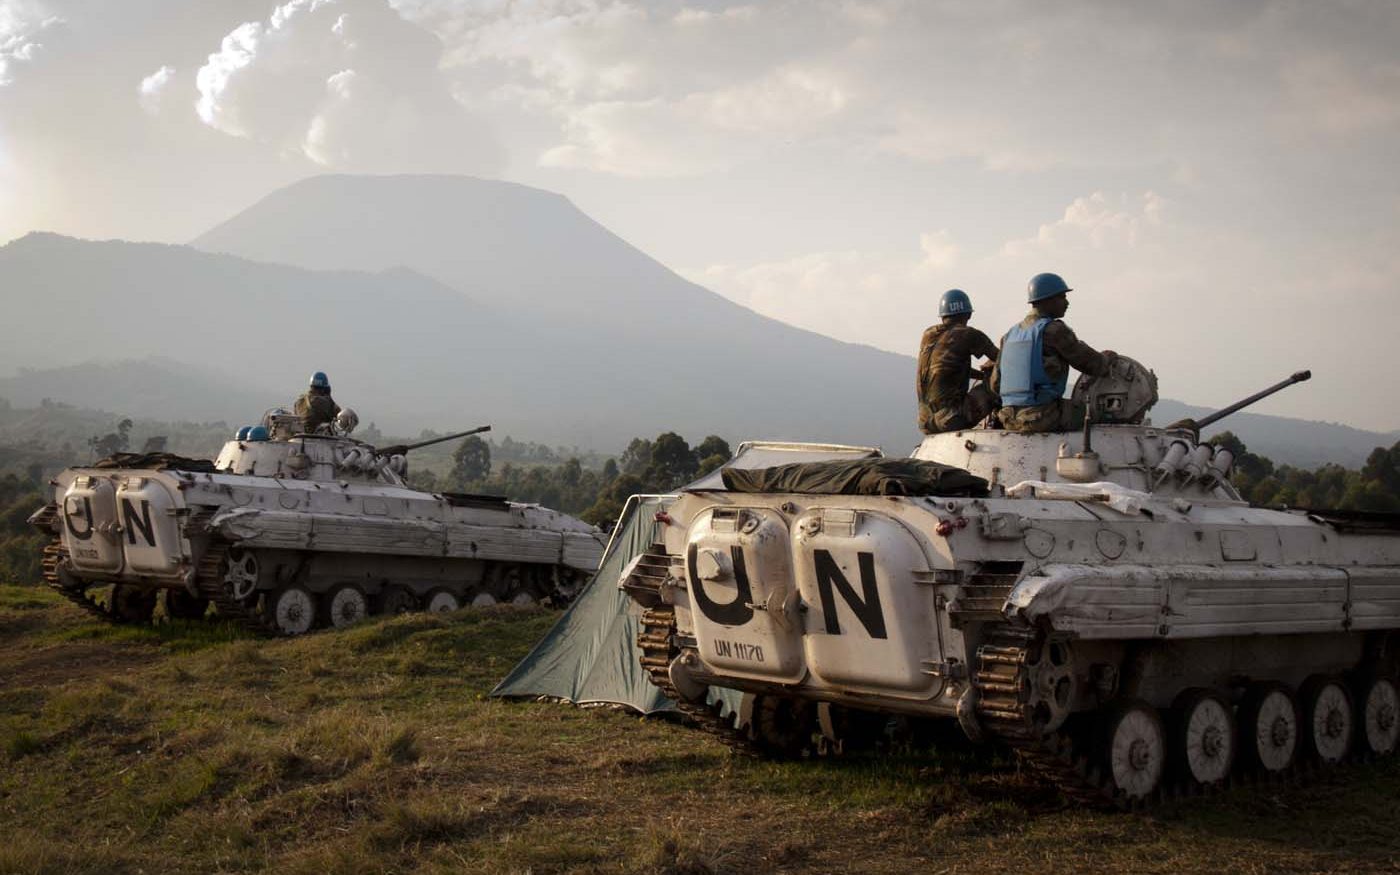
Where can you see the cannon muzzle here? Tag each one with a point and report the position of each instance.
(1196, 425)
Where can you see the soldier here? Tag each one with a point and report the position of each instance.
(1036, 355)
(316, 407)
(945, 367)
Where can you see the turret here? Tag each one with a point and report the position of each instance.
(320, 457)
(1118, 444)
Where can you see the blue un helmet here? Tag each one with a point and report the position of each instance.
(1045, 285)
(242, 434)
(319, 380)
(954, 302)
(257, 433)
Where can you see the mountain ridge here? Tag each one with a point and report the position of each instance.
(435, 301)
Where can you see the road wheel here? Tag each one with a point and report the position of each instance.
(441, 601)
(1329, 723)
(346, 605)
(483, 600)
(1268, 727)
(293, 610)
(1134, 749)
(129, 604)
(397, 600)
(1379, 729)
(1203, 736)
(523, 600)
(180, 605)
(783, 727)
(241, 573)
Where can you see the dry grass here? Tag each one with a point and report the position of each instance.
(375, 750)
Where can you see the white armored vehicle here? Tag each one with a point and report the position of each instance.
(288, 531)
(1103, 602)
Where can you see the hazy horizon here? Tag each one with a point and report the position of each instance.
(1216, 180)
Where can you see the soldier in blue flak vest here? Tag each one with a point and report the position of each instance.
(1032, 370)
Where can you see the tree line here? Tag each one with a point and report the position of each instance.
(596, 495)
(666, 462)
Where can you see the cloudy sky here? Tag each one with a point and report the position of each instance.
(1219, 181)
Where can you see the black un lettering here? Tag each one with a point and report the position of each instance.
(867, 608)
(148, 529)
(733, 613)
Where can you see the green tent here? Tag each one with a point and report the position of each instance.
(590, 656)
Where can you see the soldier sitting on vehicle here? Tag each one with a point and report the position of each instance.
(316, 407)
(945, 367)
(1036, 356)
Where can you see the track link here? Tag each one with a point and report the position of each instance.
(55, 555)
(656, 640)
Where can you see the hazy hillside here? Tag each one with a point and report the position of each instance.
(443, 302)
(153, 387)
(411, 352)
(400, 346)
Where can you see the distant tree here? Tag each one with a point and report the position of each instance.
(112, 442)
(610, 471)
(1383, 466)
(636, 457)
(672, 462)
(710, 454)
(471, 462)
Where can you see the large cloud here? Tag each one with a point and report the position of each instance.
(22, 27)
(349, 84)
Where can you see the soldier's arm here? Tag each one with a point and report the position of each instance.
(1060, 338)
(982, 345)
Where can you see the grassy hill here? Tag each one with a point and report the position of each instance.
(190, 749)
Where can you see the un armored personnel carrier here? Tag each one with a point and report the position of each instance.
(286, 532)
(1104, 602)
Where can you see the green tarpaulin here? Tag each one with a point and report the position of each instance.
(590, 656)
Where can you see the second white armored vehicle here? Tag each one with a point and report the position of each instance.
(1105, 603)
(288, 531)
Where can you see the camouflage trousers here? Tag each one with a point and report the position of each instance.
(975, 406)
(1059, 415)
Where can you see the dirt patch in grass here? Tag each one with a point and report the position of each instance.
(56, 664)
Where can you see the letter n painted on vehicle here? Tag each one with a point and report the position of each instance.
(148, 529)
(867, 608)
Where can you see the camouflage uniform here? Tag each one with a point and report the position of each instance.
(945, 368)
(1061, 350)
(315, 410)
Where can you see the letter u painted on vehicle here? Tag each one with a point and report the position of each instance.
(734, 613)
(866, 607)
(68, 515)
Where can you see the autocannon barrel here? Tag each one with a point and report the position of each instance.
(400, 449)
(1220, 414)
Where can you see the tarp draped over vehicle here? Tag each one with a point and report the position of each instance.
(857, 477)
(590, 656)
